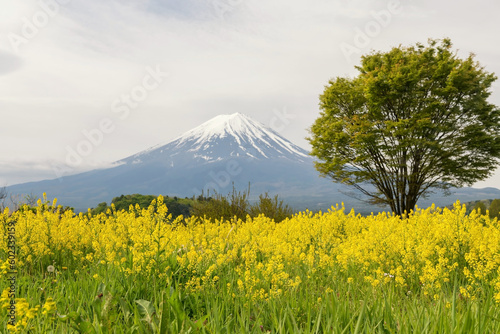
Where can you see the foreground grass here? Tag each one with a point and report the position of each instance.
(139, 271)
(105, 300)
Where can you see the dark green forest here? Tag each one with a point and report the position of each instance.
(218, 206)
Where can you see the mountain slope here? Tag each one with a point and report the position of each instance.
(226, 150)
(223, 137)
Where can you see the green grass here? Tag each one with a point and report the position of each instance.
(117, 303)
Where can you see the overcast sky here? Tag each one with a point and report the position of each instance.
(111, 78)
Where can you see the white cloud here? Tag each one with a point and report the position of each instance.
(256, 57)
(25, 169)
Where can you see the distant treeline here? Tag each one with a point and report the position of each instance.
(490, 205)
(176, 206)
(235, 204)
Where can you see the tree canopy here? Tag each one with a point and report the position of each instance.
(414, 119)
(495, 209)
(481, 207)
(176, 206)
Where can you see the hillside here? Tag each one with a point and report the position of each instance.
(225, 150)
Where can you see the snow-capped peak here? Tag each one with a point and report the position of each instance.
(244, 130)
(227, 136)
(236, 125)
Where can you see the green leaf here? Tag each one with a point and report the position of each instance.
(146, 309)
(125, 308)
(86, 327)
(165, 314)
(63, 317)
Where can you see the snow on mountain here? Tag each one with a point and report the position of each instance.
(224, 136)
(225, 151)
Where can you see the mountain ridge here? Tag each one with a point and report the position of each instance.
(225, 150)
(250, 138)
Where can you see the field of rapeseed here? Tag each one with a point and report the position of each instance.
(139, 271)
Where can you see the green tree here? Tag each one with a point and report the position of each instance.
(481, 207)
(176, 206)
(494, 209)
(273, 208)
(237, 205)
(218, 206)
(123, 202)
(413, 120)
(101, 208)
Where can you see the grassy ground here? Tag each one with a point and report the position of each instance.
(104, 300)
(436, 271)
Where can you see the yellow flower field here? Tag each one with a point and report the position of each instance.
(423, 254)
(423, 250)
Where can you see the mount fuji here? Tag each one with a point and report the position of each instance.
(226, 150)
(235, 136)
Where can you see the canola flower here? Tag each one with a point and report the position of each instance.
(24, 313)
(422, 252)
